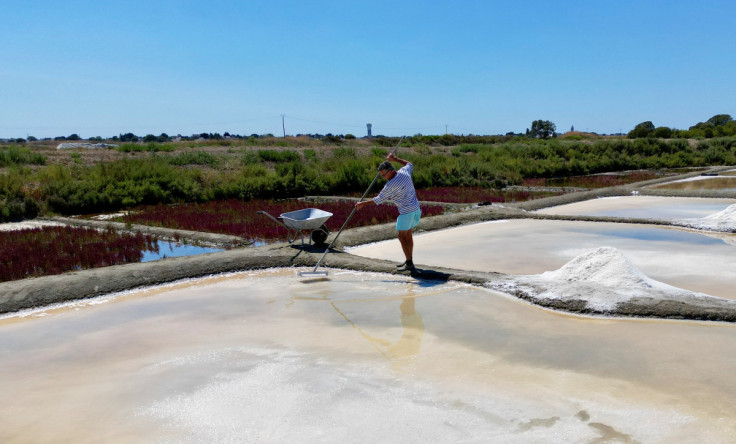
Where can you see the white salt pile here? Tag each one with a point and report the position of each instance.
(602, 278)
(721, 221)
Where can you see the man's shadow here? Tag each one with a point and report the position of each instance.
(426, 273)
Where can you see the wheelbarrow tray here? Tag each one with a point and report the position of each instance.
(306, 219)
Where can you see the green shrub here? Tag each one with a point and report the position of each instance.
(19, 155)
(194, 158)
(278, 156)
(150, 146)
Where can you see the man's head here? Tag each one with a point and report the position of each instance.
(386, 169)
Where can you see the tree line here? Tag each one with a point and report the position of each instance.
(720, 125)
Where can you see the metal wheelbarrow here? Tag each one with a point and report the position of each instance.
(298, 222)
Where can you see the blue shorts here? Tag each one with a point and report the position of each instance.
(408, 221)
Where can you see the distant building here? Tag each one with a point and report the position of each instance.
(368, 125)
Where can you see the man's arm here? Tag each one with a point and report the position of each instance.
(393, 158)
(360, 205)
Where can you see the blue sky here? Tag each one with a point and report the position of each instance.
(100, 68)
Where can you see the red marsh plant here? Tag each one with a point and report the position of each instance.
(240, 218)
(593, 181)
(54, 250)
(477, 195)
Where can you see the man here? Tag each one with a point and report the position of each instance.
(399, 188)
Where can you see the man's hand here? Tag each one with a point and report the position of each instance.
(392, 158)
(360, 205)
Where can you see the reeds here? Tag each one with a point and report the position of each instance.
(592, 181)
(54, 250)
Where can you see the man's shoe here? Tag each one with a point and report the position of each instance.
(406, 266)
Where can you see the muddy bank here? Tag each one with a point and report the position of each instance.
(169, 234)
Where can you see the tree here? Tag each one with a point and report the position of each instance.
(662, 132)
(644, 129)
(720, 119)
(543, 129)
(73, 137)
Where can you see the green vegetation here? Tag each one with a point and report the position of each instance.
(16, 200)
(149, 146)
(213, 167)
(19, 155)
(340, 170)
(720, 125)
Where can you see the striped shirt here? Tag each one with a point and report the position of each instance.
(400, 190)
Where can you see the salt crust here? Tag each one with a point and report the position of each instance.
(27, 225)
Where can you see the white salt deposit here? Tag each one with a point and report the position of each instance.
(110, 216)
(693, 179)
(28, 224)
(721, 221)
(71, 145)
(602, 278)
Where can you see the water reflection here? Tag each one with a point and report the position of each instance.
(174, 249)
(402, 351)
(399, 352)
(643, 207)
(705, 183)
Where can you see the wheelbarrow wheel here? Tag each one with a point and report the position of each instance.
(319, 236)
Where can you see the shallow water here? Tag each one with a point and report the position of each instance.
(686, 259)
(174, 249)
(643, 207)
(720, 183)
(265, 356)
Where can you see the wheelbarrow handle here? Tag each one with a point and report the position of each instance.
(272, 218)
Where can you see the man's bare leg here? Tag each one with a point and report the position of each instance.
(407, 244)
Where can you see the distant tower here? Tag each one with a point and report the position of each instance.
(368, 125)
(572, 128)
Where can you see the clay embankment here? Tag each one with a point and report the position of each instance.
(34, 292)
